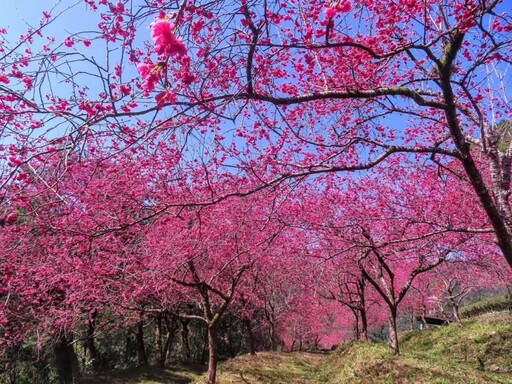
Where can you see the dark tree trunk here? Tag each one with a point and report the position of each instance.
(184, 339)
(272, 336)
(171, 327)
(361, 289)
(250, 334)
(166, 353)
(212, 353)
(363, 333)
(360, 319)
(66, 361)
(204, 354)
(160, 359)
(357, 334)
(141, 349)
(90, 343)
(232, 349)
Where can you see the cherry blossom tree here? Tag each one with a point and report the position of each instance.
(348, 289)
(150, 179)
(209, 251)
(60, 274)
(392, 282)
(276, 90)
(316, 87)
(387, 239)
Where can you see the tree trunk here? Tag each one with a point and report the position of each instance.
(160, 360)
(184, 339)
(231, 348)
(204, 354)
(357, 334)
(248, 326)
(91, 344)
(499, 220)
(363, 333)
(212, 353)
(271, 336)
(141, 350)
(393, 334)
(456, 314)
(171, 327)
(66, 361)
(166, 353)
(361, 285)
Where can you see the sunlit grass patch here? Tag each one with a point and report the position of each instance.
(272, 367)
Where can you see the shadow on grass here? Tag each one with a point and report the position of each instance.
(148, 375)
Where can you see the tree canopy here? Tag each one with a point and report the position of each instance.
(283, 165)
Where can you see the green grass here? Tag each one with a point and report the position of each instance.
(148, 375)
(479, 352)
(272, 368)
(487, 305)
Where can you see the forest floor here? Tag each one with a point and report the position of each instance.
(149, 375)
(477, 353)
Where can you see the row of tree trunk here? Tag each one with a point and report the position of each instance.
(166, 330)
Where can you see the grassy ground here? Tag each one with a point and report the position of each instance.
(477, 353)
(272, 368)
(150, 375)
(480, 352)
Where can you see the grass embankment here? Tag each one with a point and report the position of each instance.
(492, 304)
(480, 352)
(477, 353)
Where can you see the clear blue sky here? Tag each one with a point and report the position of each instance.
(17, 15)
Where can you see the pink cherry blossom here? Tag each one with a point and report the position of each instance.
(330, 12)
(165, 97)
(150, 75)
(166, 43)
(69, 42)
(11, 218)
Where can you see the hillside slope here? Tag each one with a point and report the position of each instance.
(477, 353)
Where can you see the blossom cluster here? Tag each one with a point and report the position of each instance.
(166, 45)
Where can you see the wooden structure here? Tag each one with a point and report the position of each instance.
(434, 321)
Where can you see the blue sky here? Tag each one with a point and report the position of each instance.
(17, 15)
